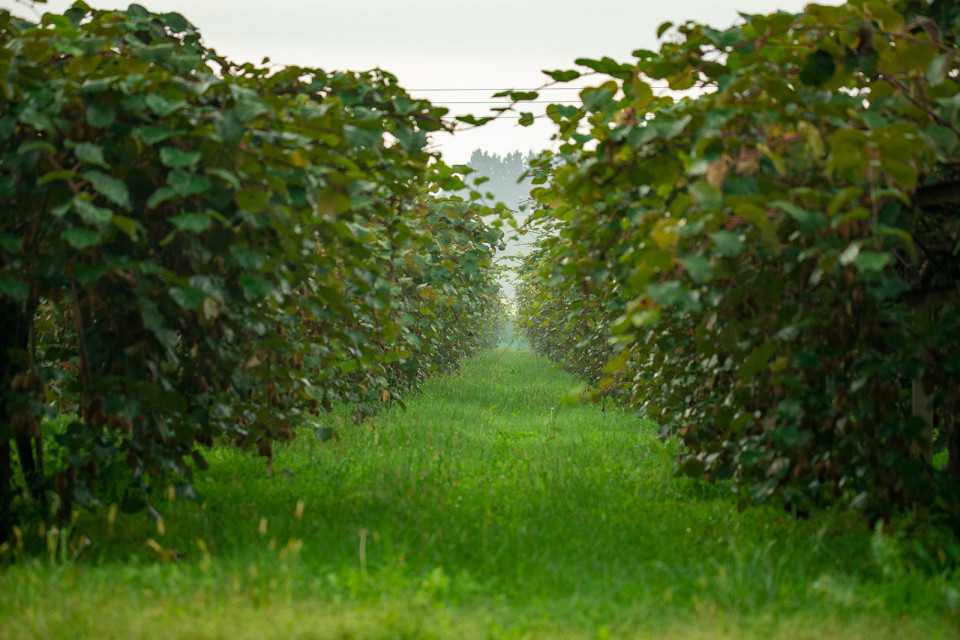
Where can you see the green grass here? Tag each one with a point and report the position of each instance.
(487, 510)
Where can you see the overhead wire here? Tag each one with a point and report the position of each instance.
(505, 100)
(654, 86)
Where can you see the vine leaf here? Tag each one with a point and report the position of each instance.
(818, 68)
(113, 189)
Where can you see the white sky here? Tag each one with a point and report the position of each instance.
(443, 44)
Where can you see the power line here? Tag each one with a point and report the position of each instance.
(504, 103)
(653, 86)
(498, 117)
(514, 90)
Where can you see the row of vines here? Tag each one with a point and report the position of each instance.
(195, 252)
(769, 264)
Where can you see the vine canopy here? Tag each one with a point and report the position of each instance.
(765, 258)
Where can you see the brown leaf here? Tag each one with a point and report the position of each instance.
(717, 171)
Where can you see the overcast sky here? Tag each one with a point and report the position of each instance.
(443, 44)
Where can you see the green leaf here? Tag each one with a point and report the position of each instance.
(79, 238)
(10, 242)
(775, 159)
(160, 195)
(153, 135)
(668, 128)
(91, 154)
(727, 243)
(247, 110)
(692, 467)
(14, 288)
(53, 176)
(363, 137)
(258, 287)
(563, 75)
(251, 260)
(227, 176)
(756, 215)
(62, 209)
(728, 38)
(644, 54)
(818, 68)
(126, 225)
(563, 110)
(608, 66)
(228, 127)
(37, 120)
(808, 221)
(939, 67)
(871, 261)
(662, 29)
(412, 141)
(473, 120)
(111, 188)
(91, 213)
(886, 285)
(33, 145)
(709, 196)
(188, 184)
(189, 298)
(643, 95)
(672, 294)
(177, 159)
(195, 222)
(902, 235)
(597, 99)
(252, 200)
(756, 361)
(405, 105)
(698, 268)
(158, 54)
(943, 138)
(903, 174)
(847, 148)
(162, 106)
(97, 85)
(100, 116)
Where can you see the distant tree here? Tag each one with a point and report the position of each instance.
(504, 174)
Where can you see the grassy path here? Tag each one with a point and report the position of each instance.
(486, 510)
